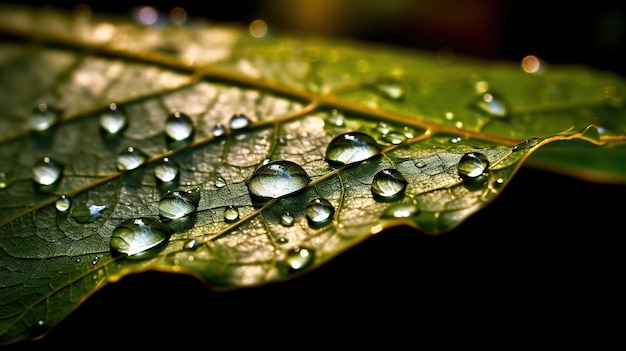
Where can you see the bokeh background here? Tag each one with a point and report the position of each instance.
(545, 253)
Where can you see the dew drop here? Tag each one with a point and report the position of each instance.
(43, 117)
(335, 118)
(178, 126)
(62, 204)
(220, 182)
(130, 158)
(401, 210)
(319, 212)
(87, 213)
(472, 165)
(287, 219)
(191, 244)
(282, 240)
(351, 147)
(4, 182)
(231, 214)
(299, 258)
(394, 137)
(527, 144)
(238, 121)
(166, 171)
(113, 121)
(178, 203)
(389, 185)
(492, 105)
(47, 172)
(135, 236)
(219, 130)
(277, 178)
(389, 87)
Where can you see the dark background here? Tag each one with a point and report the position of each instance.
(542, 260)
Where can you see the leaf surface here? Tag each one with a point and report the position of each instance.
(252, 102)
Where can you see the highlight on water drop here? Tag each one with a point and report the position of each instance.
(113, 121)
(179, 126)
(178, 203)
(137, 235)
(47, 172)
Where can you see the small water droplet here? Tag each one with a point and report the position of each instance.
(492, 105)
(389, 87)
(191, 244)
(47, 172)
(299, 258)
(388, 185)
(114, 120)
(179, 126)
(87, 213)
(277, 178)
(136, 235)
(287, 219)
(472, 165)
(527, 144)
(62, 204)
(231, 214)
(336, 118)
(4, 181)
(219, 130)
(238, 121)
(401, 210)
(130, 158)
(351, 147)
(319, 212)
(220, 182)
(166, 170)
(43, 117)
(178, 203)
(394, 137)
(282, 240)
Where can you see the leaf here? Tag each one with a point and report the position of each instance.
(252, 101)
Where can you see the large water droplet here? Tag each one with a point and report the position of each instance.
(319, 212)
(287, 219)
(277, 178)
(62, 204)
(178, 203)
(166, 170)
(113, 121)
(472, 165)
(231, 214)
(351, 147)
(238, 121)
(43, 117)
(492, 105)
(299, 258)
(47, 172)
(388, 185)
(130, 158)
(135, 236)
(179, 126)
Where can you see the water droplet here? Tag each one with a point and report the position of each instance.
(191, 244)
(277, 178)
(178, 203)
(351, 147)
(492, 105)
(87, 213)
(299, 258)
(220, 182)
(401, 210)
(47, 172)
(113, 121)
(335, 118)
(394, 137)
(63, 203)
(219, 130)
(238, 121)
(231, 214)
(472, 165)
(282, 240)
(130, 158)
(135, 236)
(287, 219)
(4, 181)
(388, 185)
(527, 144)
(179, 126)
(389, 87)
(43, 117)
(319, 212)
(166, 171)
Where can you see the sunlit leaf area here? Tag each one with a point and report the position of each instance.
(300, 173)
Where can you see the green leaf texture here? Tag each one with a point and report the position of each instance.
(297, 113)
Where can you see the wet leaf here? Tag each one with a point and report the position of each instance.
(202, 150)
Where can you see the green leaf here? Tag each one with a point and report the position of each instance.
(457, 133)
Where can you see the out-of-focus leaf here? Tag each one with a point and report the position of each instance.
(297, 113)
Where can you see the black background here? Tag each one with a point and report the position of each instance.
(542, 260)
